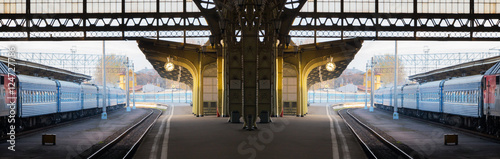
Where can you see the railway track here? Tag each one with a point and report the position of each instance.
(125, 144)
(374, 144)
(65, 123)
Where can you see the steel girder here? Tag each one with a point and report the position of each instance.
(379, 26)
(400, 26)
(99, 26)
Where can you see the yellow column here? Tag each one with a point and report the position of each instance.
(220, 87)
(279, 85)
(303, 98)
(299, 87)
(200, 86)
(195, 95)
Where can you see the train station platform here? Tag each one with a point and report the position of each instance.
(185, 136)
(428, 139)
(71, 139)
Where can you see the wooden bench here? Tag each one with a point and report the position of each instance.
(450, 138)
(49, 138)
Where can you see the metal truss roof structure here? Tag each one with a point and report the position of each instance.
(463, 69)
(79, 63)
(368, 19)
(418, 66)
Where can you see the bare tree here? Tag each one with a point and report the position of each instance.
(113, 70)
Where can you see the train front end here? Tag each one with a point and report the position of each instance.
(8, 100)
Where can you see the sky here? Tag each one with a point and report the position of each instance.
(369, 49)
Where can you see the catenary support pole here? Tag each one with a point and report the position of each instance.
(395, 115)
(372, 90)
(127, 88)
(104, 114)
(133, 87)
(366, 87)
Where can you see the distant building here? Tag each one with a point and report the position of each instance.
(377, 80)
(150, 88)
(123, 80)
(349, 88)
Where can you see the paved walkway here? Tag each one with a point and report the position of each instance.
(71, 139)
(186, 136)
(427, 139)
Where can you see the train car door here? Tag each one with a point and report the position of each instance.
(489, 97)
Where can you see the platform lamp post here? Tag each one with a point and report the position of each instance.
(372, 87)
(169, 66)
(127, 77)
(330, 66)
(395, 115)
(104, 114)
(366, 87)
(133, 87)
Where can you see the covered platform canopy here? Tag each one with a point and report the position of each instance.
(463, 69)
(34, 69)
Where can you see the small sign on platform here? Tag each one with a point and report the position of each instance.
(450, 138)
(49, 138)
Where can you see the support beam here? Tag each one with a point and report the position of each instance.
(221, 111)
(279, 85)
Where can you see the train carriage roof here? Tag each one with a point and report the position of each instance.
(410, 88)
(89, 88)
(70, 86)
(463, 83)
(431, 86)
(495, 69)
(36, 83)
(4, 69)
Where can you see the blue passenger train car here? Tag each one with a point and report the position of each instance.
(464, 102)
(462, 96)
(43, 101)
(36, 96)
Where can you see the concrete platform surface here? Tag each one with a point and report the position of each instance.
(186, 136)
(428, 139)
(71, 139)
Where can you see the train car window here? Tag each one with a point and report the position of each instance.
(466, 97)
(475, 97)
(497, 79)
(461, 100)
(1, 80)
(23, 95)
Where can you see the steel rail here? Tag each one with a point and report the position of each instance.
(110, 144)
(377, 135)
(134, 147)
